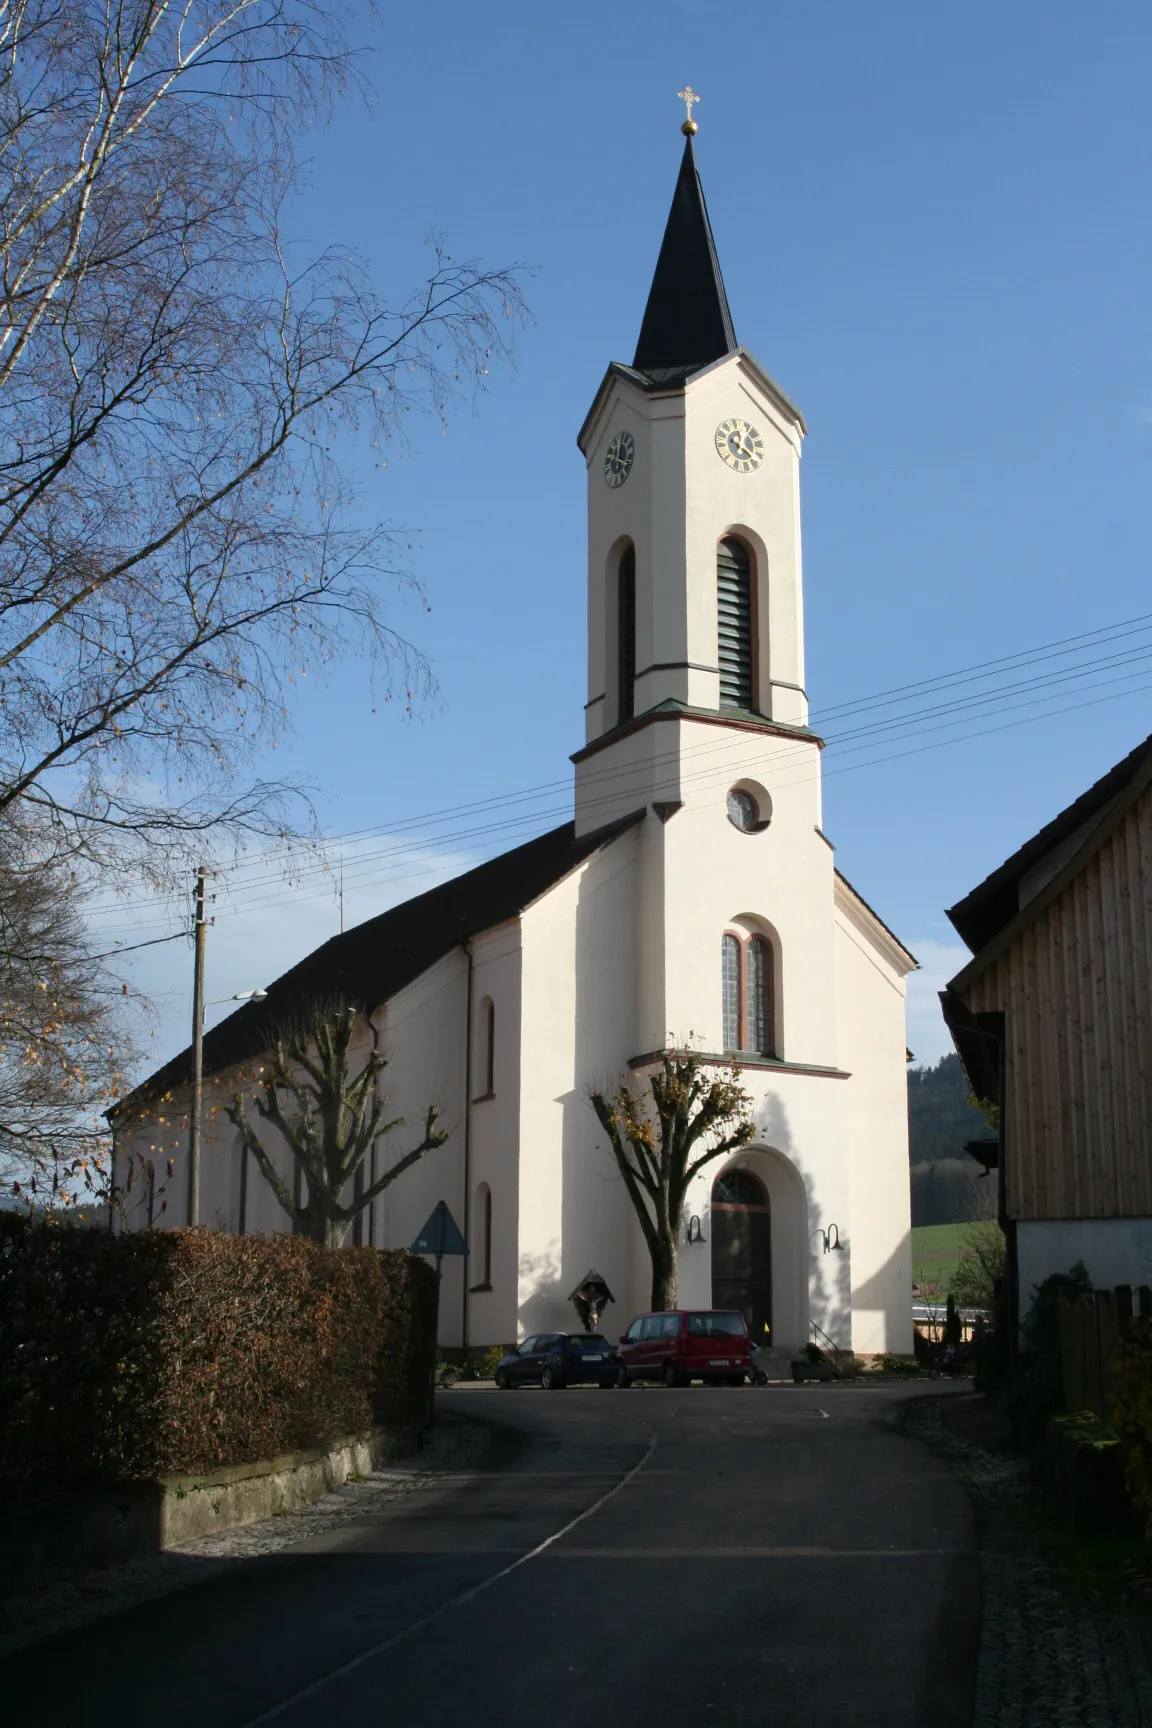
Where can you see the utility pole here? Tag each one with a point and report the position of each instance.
(199, 932)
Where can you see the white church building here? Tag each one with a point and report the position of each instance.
(694, 898)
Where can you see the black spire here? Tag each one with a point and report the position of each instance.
(687, 323)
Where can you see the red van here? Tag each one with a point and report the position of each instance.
(686, 1344)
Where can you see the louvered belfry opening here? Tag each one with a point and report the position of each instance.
(627, 633)
(734, 615)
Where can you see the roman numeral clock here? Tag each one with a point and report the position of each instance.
(740, 445)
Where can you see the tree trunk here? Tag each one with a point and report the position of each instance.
(665, 1274)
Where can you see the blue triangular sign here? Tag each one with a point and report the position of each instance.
(441, 1234)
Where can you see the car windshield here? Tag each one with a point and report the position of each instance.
(589, 1343)
(715, 1325)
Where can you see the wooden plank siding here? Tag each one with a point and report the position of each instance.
(1075, 988)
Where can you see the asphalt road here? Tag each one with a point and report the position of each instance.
(676, 1558)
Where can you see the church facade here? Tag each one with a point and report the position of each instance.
(693, 900)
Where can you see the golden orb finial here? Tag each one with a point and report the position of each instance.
(688, 96)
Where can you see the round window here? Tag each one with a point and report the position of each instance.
(742, 812)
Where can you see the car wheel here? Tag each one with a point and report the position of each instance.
(551, 1379)
(671, 1378)
(623, 1379)
(501, 1379)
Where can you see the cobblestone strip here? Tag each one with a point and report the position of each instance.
(455, 1445)
(1050, 1656)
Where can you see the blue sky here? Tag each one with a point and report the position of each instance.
(934, 228)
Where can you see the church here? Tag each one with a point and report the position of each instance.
(694, 899)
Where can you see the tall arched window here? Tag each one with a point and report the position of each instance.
(484, 1228)
(734, 624)
(748, 986)
(730, 985)
(626, 634)
(761, 994)
(486, 1063)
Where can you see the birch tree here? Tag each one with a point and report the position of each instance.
(177, 387)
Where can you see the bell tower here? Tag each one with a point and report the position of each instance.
(695, 614)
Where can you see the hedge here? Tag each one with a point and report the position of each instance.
(173, 1352)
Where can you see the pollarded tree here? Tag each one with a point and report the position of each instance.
(661, 1143)
(332, 1119)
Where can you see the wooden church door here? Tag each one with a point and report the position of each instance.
(742, 1250)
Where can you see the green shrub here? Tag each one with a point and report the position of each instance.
(1132, 1413)
(1032, 1390)
(178, 1351)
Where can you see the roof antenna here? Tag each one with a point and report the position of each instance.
(688, 96)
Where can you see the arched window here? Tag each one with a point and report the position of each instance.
(748, 987)
(484, 1228)
(730, 985)
(761, 994)
(486, 1064)
(734, 624)
(739, 1188)
(626, 634)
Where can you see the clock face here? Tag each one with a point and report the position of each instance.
(618, 458)
(740, 445)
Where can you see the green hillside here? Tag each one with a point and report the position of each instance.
(936, 1250)
(947, 1187)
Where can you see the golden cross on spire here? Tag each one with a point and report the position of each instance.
(688, 96)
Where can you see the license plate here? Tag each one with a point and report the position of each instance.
(719, 1362)
(593, 1358)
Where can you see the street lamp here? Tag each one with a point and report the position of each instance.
(830, 1238)
(240, 996)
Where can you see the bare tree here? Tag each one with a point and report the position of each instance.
(61, 1062)
(662, 1143)
(332, 1120)
(175, 550)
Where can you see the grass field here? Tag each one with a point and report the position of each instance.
(936, 1251)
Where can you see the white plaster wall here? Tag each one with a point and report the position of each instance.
(678, 502)
(495, 1132)
(422, 1031)
(1114, 1250)
(715, 874)
(579, 996)
(799, 1155)
(870, 995)
(160, 1140)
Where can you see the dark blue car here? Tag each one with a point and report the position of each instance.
(556, 1359)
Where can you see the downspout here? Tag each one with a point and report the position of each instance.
(467, 947)
(372, 1155)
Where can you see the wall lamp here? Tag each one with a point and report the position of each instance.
(830, 1238)
(695, 1232)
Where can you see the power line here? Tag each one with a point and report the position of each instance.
(242, 879)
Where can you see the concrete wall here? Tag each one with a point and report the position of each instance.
(1114, 1250)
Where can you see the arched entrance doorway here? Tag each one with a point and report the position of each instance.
(742, 1250)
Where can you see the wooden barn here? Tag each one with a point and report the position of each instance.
(1052, 1018)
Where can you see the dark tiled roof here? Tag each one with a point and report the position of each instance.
(984, 912)
(371, 962)
(686, 323)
